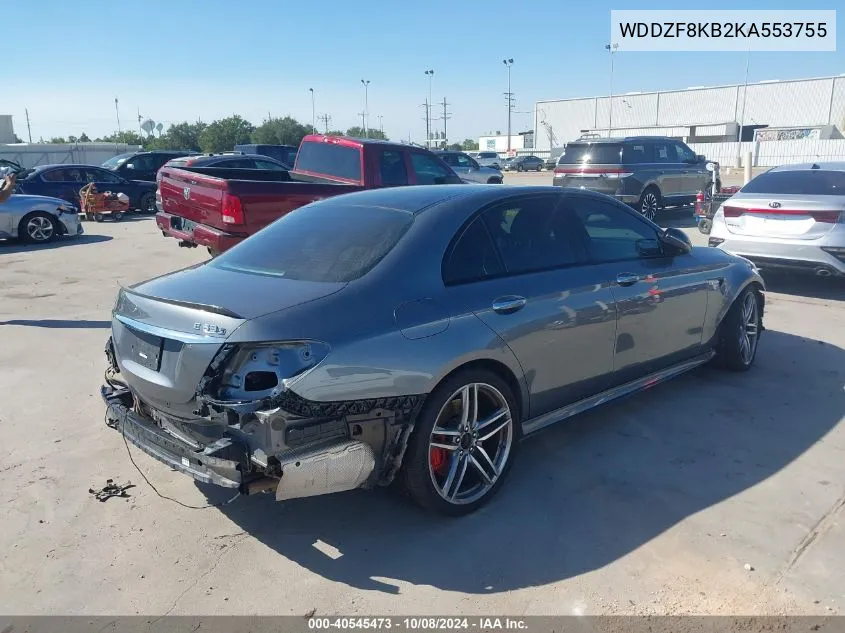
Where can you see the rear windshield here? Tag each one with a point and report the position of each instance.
(809, 182)
(330, 159)
(298, 247)
(488, 155)
(593, 153)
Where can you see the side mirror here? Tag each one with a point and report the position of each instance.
(130, 165)
(649, 248)
(676, 240)
(700, 158)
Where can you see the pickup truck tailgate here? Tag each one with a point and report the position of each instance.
(194, 197)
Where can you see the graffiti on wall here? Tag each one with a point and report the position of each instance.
(793, 134)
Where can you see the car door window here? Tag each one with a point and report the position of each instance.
(392, 168)
(101, 175)
(472, 257)
(450, 159)
(685, 154)
(56, 175)
(237, 163)
(665, 153)
(613, 233)
(429, 170)
(532, 234)
(140, 164)
(266, 164)
(464, 161)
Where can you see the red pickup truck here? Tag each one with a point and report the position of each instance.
(219, 207)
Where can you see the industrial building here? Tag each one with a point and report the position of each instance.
(812, 109)
(7, 131)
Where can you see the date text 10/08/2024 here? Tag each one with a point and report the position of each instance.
(422, 623)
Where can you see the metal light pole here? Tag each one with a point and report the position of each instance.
(744, 96)
(430, 75)
(117, 112)
(509, 62)
(381, 124)
(366, 83)
(313, 113)
(612, 48)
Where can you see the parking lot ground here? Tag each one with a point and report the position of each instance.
(653, 505)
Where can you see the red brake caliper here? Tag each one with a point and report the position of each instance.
(439, 458)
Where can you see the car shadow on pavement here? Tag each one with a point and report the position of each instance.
(582, 494)
(9, 247)
(60, 324)
(679, 217)
(805, 285)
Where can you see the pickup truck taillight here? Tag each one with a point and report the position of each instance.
(233, 211)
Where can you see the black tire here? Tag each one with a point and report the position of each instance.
(117, 216)
(147, 203)
(649, 203)
(417, 468)
(38, 227)
(730, 349)
(98, 217)
(540, 167)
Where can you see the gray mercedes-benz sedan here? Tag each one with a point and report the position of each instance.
(415, 333)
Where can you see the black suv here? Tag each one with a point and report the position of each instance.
(647, 172)
(143, 165)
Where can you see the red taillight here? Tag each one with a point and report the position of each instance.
(233, 211)
(826, 217)
(699, 197)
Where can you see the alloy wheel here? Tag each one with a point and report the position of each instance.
(748, 329)
(39, 229)
(648, 205)
(470, 443)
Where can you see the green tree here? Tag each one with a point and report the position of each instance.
(128, 137)
(182, 136)
(284, 131)
(358, 132)
(456, 147)
(335, 133)
(59, 140)
(84, 138)
(469, 145)
(224, 134)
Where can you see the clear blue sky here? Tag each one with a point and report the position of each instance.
(186, 60)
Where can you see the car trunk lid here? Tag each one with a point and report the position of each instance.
(789, 216)
(167, 331)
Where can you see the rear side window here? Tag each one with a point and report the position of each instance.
(810, 182)
(665, 153)
(593, 153)
(473, 257)
(392, 168)
(297, 246)
(330, 159)
(638, 153)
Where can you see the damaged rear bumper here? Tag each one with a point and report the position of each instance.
(221, 463)
(322, 466)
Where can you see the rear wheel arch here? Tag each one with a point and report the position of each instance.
(500, 369)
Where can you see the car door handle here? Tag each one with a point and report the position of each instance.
(508, 305)
(627, 279)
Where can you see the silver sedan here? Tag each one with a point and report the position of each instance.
(38, 219)
(469, 169)
(415, 333)
(790, 217)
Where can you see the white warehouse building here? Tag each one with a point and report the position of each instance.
(765, 111)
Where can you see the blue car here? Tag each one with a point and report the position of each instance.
(65, 181)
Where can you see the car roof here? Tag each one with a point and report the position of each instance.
(67, 166)
(833, 165)
(621, 139)
(416, 199)
(316, 138)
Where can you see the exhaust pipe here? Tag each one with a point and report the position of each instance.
(325, 469)
(823, 272)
